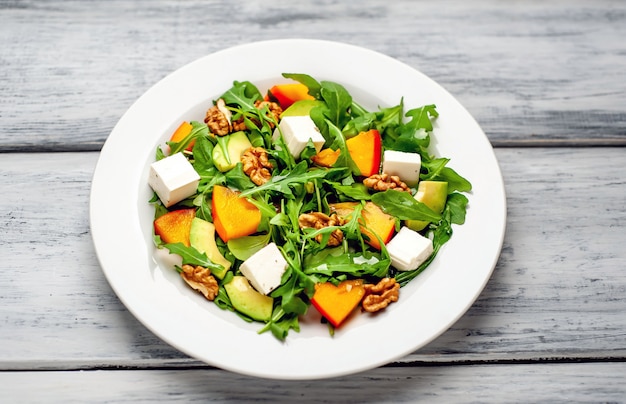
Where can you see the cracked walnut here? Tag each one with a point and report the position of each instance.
(218, 119)
(256, 165)
(200, 279)
(383, 182)
(379, 296)
(319, 220)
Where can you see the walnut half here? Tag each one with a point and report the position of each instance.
(256, 165)
(200, 279)
(319, 220)
(218, 119)
(381, 295)
(383, 182)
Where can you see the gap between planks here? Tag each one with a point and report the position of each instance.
(191, 364)
(499, 143)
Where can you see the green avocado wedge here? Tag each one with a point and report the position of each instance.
(228, 150)
(432, 194)
(202, 238)
(301, 108)
(247, 300)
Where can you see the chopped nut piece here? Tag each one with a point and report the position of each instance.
(383, 182)
(218, 119)
(256, 165)
(319, 220)
(200, 279)
(379, 296)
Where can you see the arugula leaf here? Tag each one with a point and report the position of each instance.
(357, 110)
(359, 124)
(336, 264)
(222, 300)
(159, 154)
(192, 256)
(455, 181)
(421, 117)
(267, 118)
(412, 136)
(338, 101)
(388, 122)
(344, 159)
(282, 183)
(352, 229)
(389, 118)
(403, 206)
(319, 115)
(438, 171)
(289, 292)
(209, 179)
(293, 207)
(281, 152)
(237, 178)
(266, 208)
(159, 209)
(433, 168)
(313, 85)
(281, 219)
(198, 129)
(412, 141)
(244, 247)
(309, 151)
(203, 155)
(336, 109)
(256, 137)
(204, 207)
(280, 323)
(355, 191)
(457, 205)
(243, 94)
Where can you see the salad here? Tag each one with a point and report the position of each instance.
(301, 199)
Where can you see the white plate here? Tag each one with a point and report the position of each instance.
(121, 219)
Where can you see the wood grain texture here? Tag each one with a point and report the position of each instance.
(557, 293)
(531, 72)
(545, 80)
(591, 382)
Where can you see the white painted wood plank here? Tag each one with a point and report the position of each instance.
(530, 71)
(558, 383)
(558, 290)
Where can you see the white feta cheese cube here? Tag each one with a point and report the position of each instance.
(297, 130)
(405, 165)
(173, 179)
(265, 268)
(408, 249)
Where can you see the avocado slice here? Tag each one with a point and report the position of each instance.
(228, 150)
(433, 194)
(247, 300)
(202, 238)
(300, 108)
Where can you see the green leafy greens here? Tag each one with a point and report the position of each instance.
(298, 186)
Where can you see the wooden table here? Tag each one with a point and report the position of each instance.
(546, 81)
